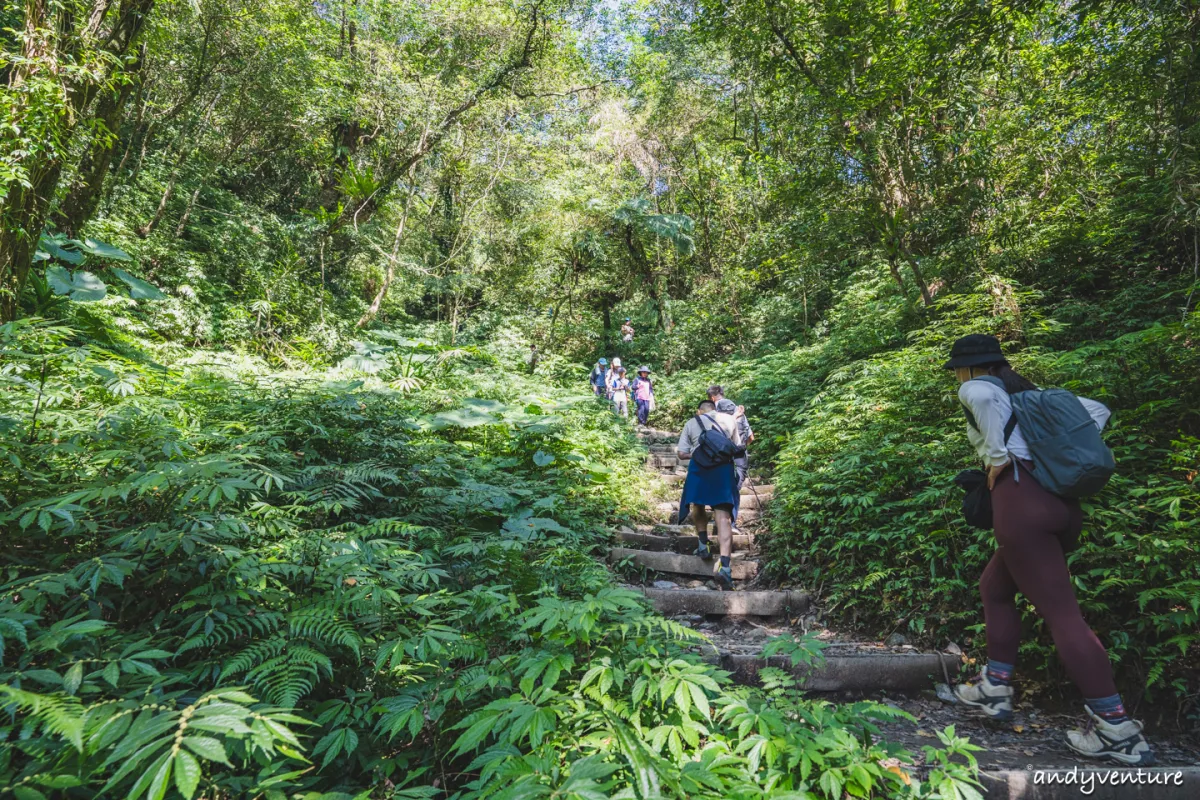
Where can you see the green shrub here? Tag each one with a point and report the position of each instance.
(866, 513)
(226, 580)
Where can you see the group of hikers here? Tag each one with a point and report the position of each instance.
(612, 382)
(1042, 452)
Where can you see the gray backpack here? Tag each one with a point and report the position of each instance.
(1072, 459)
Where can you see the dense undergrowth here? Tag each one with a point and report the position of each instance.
(226, 580)
(864, 433)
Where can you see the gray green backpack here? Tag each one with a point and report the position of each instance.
(1072, 459)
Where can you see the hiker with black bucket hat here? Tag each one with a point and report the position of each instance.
(1042, 451)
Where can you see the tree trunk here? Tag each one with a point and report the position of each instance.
(26, 207)
(896, 273)
(390, 275)
(80, 203)
(24, 213)
(187, 213)
(185, 153)
(915, 268)
(152, 223)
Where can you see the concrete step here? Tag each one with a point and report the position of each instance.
(1095, 782)
(680, 564)
(655, 436)
(670, 602)
(676, 539)
(847, 672)
(661, 462)
(663, 449)
(753, 501)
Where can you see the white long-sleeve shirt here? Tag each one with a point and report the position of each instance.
(991, 407)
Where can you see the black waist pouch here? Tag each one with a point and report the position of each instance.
(977, 502)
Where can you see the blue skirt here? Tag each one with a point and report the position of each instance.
(714, 487)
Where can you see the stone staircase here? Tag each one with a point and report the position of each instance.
(680, 586)
(1025, 761)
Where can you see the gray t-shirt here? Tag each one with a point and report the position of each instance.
(727, 406)
(689, 439)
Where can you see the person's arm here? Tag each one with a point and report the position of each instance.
(983, 400)
(1097, 410)
(687, 441)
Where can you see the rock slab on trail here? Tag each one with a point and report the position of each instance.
(681, 564)
(700, 601)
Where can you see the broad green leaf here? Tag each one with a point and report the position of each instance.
(73, 678)
(207, 748)
(138, 288)
(83, 287)
(187, 773)
(101, 249)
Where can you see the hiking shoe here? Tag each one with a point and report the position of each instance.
(736, 530)
(993, 699)
(1123, 742)
(724, 577)
(703, 551)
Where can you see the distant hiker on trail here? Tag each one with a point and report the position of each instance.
(627, 331)
(620, 394)
(1034, 529)
(609, 376)
(710, 440)
(597, 377)
(643, 394)
(741, 464)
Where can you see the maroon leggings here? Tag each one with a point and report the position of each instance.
(1033, 529)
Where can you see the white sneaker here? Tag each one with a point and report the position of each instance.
(993, 699)
(1123, 743)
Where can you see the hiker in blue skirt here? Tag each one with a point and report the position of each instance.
(709, 443)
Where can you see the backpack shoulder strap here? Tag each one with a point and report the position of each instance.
(1009, 426)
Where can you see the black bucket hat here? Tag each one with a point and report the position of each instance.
(974, 350)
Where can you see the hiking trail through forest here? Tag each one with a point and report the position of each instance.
(739, 623)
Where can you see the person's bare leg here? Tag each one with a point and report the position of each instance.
(700, 520)
(724, 521)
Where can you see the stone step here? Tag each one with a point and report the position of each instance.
(671, 479)
(663, 449)
(670, 602)
(677, 539)
(847, 672)
(1092, 781)
(753, 501)
(661, 462)
(680, 564)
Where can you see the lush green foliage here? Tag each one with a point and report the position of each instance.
(866, 434)
(226, 580)
(369, 554)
